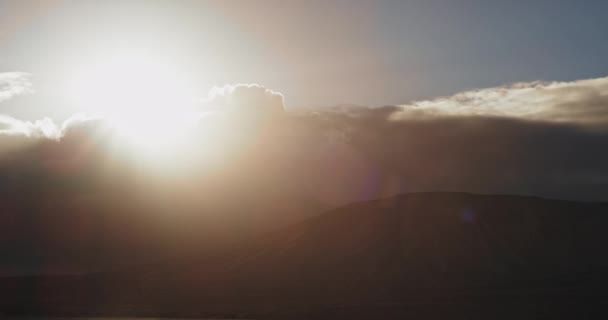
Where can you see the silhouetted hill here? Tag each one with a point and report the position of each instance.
(385, 257)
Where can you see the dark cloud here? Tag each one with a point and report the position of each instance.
(532, 138)
(240, 176)
(477, 154)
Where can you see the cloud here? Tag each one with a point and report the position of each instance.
(582, 101)
(17, 135)
(13, 84)
(532, 138)
(248, 98)
(463, 153)
(39, 128)
(545, 139)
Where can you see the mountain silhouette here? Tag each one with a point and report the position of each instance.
(428, 253)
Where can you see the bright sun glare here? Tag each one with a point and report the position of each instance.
(147, 100)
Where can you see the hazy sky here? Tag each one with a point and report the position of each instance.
(317, 53)
(501, 97)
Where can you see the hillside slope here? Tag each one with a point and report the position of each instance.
(387, 256)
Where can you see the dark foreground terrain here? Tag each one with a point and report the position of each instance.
(423, 255)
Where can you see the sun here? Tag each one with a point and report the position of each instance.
(147, 100)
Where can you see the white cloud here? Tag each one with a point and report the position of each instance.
(43, 128)
(582, 101)
(13, 84)
(246, 98)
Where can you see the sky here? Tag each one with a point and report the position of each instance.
(317, 53)
(139, 125)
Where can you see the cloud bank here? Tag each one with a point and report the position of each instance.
(544, 139)
(583, 101)
(541, 138)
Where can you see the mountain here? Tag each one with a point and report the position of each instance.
(433, 254)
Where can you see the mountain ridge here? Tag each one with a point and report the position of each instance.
(429, 246)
